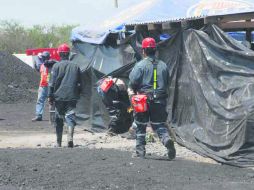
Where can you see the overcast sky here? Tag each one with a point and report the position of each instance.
(82, 12)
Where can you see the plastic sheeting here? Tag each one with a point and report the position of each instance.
(95, 62)
(157, 11)
(211, 100)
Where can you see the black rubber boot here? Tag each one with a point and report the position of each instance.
(171, 149)
(59, 134)
(37, 118)
(70, 144)
(70, 137)
(140, 152)
(59, 131)
(59, 141)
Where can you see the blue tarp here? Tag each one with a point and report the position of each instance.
(240, 36)
(160, 10)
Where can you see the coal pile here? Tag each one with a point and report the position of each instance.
(18, 81)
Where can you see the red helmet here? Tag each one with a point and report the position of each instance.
(63, 48)
(148, 43)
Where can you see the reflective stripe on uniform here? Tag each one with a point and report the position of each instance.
(157, 123)
(113, 117)
(154, 78)
(71, 112)
(141, 123)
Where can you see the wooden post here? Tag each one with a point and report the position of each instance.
(116, 3)
(248, 33)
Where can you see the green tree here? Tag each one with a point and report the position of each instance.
(16, 38)
(13, 37)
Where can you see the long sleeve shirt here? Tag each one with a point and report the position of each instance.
(65, 81)
(142, 77)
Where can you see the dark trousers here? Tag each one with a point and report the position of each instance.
(64, 112)
(157, 116)
(120, 119)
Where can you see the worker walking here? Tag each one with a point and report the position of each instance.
(64, 91)
(148, 92)
(43, 86)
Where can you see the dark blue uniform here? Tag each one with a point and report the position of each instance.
(116, 101)
(143, 81)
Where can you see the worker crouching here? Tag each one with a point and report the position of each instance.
(114, 96)
(64, 91)
(148, 88)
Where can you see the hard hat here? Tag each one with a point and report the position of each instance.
(148, 43)
(45, 55)
(63, 48)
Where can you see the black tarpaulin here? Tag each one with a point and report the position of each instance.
(211, 89)
(97, 61)
(213, 102)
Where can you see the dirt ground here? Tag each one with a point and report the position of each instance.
(28, 160)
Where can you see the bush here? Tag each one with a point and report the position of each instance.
(15, 38)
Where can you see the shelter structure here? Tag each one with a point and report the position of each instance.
(211, 96)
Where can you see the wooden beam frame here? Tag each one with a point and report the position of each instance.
(229, 18)
(154, 26)
(232, 22)
(236, 25)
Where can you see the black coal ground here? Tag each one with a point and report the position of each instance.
(80, 168)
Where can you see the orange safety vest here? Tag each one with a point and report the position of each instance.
(44, 75)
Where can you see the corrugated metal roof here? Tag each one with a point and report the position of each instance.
(175, 11)
(162, 11)
(160, 21)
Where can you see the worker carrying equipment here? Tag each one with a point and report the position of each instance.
(113, 93)
(148, 87)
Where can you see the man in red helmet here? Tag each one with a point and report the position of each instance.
(64, 91)
(149, 78)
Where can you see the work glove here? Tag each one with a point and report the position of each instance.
(130, 108)
(130, 93)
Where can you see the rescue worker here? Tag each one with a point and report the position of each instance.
(64, 91)
(37, 61)
(113, 92)
(43, 86)
(149, 79)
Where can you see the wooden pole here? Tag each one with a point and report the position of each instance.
(116, 3)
